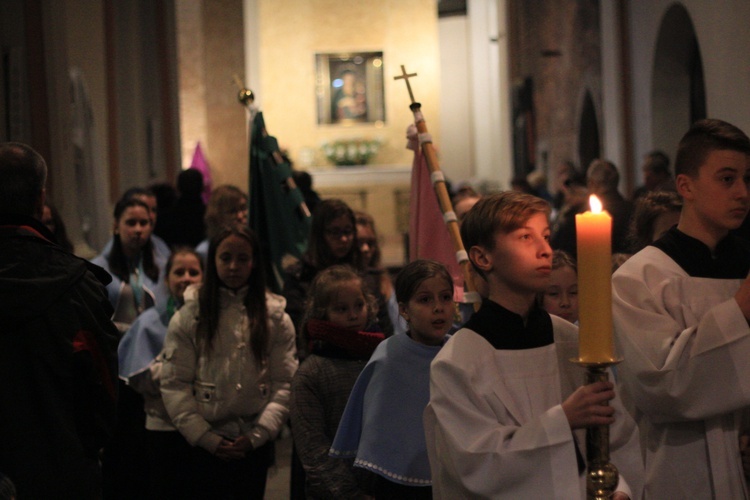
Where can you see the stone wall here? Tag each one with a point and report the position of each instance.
(557, 45)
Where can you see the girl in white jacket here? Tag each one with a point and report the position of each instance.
(229, 358)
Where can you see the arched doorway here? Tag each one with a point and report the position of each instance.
(677, 86)
(589, 145)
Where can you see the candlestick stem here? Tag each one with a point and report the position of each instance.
(601, 474)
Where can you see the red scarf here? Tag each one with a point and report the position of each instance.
(358, 345)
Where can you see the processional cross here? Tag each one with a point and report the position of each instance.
(405, 76)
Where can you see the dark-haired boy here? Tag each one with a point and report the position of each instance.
(505, 407)
(681, 310)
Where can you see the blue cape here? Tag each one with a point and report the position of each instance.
(382, 423)
(142, 342)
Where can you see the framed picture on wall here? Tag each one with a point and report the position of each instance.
(350, 88)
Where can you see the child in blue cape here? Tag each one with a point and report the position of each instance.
(382, 424)
(140, 367)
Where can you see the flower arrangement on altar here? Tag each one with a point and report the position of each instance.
(347, 152)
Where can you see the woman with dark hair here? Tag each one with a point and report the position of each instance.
(333, 236)
(147, 196)
(228, 362)
(137, 283)
(333, 240)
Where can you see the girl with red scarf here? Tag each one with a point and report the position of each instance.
(338, 312)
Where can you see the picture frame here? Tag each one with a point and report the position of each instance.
(350, 88)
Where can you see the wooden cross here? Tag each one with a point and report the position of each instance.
(405, 76)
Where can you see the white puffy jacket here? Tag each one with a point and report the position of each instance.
(224, 393)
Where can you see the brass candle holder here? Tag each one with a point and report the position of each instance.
(601, 475)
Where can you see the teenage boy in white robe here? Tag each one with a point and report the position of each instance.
(507, 413)
(681, 308)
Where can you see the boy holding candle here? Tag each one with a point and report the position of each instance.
(506, 415)
(681, 308)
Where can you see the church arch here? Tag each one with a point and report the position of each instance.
(589, 142)
(678, 94)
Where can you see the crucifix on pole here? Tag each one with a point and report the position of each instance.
(438, 183)
(405, 76)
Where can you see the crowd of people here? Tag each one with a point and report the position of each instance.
(165, 368)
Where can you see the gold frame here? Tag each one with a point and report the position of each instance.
(364, 100)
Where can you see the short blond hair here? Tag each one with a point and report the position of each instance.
(502, 212)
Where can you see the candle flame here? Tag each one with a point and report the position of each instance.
(595, 204)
